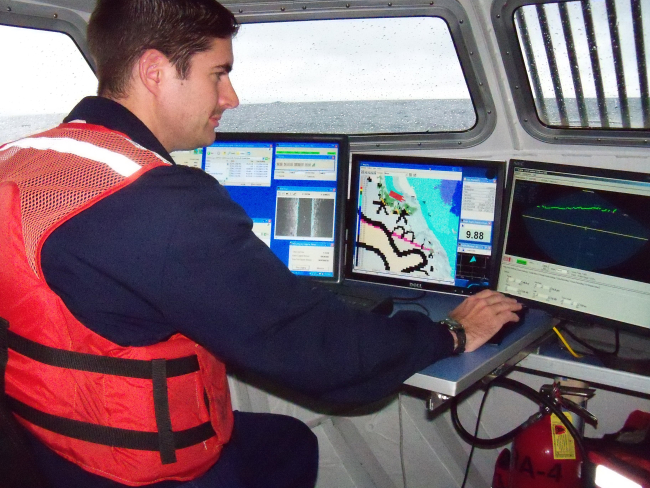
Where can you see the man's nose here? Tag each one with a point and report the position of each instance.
(228, 97)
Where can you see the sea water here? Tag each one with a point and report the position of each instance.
(356, 117)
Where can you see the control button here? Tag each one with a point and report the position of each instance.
(512, 289)
(542, 297)
(567, 302)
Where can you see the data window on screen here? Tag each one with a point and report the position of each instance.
(240, 164)
(262, 229)
(311, 258)
(476, 228)
(306, 161)
(192, 159)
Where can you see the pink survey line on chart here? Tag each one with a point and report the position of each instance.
(397, 236)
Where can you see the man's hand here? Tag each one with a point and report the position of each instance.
(483, 314)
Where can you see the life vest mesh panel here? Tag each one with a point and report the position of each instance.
(45, 183)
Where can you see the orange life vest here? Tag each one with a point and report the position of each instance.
(136, 415)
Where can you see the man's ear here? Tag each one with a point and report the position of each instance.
(153, 66)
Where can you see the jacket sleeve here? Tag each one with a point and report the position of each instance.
(225, 289)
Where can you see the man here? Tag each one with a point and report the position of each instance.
(128, 282)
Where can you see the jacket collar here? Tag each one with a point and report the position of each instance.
(112, 115)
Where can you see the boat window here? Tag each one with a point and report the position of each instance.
(354, 76)
(586, 62)
(44, 76)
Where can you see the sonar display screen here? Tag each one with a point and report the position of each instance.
(292, 186)
(588, 229)
(424, 223)
(579, 241)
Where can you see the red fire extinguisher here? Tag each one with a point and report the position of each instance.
(544, 452)
(547, 450)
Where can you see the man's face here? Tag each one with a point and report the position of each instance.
(191, 108)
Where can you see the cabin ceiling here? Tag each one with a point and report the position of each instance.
(87, 6)
(80, 5)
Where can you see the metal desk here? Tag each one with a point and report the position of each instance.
(569, 367)
(453, 375)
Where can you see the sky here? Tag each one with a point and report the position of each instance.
(310, 61)
(352, 59)
(366, 59)
(54, 75)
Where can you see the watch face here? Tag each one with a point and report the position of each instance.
(453, 324)
(459, 330)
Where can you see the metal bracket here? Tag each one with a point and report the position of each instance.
(435, 401)
(507, 366)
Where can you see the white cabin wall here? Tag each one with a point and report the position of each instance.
(362, 449)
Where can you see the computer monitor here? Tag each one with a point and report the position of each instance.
(576, 242)
(293, 187)
(424, 223)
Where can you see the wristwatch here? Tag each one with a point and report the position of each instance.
(459, 330)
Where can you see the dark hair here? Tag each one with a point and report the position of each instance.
(120, 31)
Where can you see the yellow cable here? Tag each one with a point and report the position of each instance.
(573, 353)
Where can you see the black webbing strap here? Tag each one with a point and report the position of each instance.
(130, 368)
(109, 436)
(161, 407)
(164, 441)
(18, 467)
(4, 354)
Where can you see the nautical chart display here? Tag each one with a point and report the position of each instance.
(424, 222)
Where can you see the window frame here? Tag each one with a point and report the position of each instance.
(49, 18)
(461, 33)
(503, 19)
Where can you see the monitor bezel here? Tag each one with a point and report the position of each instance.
(341, 182)
(556, 311)
(351, 274)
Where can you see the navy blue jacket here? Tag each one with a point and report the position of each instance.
(173, 253)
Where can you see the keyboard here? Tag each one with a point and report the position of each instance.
(362, 299)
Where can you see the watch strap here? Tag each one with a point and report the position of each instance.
(459, 330)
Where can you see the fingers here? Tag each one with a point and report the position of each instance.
(506, 306)
(487, 305)
(484, 314)
(488, 294)
(491, 297)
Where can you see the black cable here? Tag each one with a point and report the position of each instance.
(471, 451)
(480, 442)
(529, 393)
(594, 349)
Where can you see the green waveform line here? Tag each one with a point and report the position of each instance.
(605, 210)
